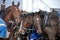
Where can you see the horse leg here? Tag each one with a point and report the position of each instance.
(50, 32)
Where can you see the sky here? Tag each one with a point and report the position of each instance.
(52, 3)
(34, 5)
(9, 2)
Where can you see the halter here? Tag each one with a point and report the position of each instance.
(15, 24)
(14, 19)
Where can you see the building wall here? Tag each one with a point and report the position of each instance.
(52, 3)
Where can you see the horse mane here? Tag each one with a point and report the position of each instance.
(7, 8)
(4, 12)
(54, 17)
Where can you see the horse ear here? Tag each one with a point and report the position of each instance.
(13, 3)
(18, 4)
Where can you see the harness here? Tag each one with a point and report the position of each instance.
(59, 23)
(45, 20)
(52, 24)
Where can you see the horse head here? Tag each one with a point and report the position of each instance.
(37, 22)
(12, 12)
(26, 22)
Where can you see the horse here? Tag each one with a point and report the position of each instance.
(54, 22)
(44, 18)
(11, 13)
(51, 25)
(28, 20)
(26, 23)
(43, 26)
(37, 22)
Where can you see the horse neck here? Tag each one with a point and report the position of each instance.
(7, 17)
(2, 14)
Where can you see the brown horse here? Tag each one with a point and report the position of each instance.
(51, 28)
(28, 20)
(12, 12)
(46, 24)
(26, 23)
(37, 20)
